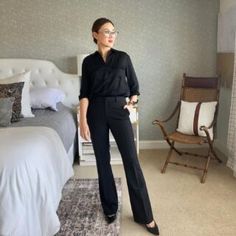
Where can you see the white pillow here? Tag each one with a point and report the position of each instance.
(190, 118)
(45, 97)
(25, 101)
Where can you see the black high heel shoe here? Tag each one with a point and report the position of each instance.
(153, 230)
(110, 218)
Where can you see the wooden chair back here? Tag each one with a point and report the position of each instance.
(200, 89)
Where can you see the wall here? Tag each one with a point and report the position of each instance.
(226, 5)
(164, 39)
(225, 49)
(226, 26)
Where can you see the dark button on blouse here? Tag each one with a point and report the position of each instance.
(115, 77)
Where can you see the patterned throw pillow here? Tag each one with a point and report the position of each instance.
(6, 111)
(25, 100)
(13, 90)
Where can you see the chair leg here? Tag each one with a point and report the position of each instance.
(203, 179)
(177, 151)
(212, 150)
(163, 170)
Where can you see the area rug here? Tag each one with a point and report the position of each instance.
(80, 211)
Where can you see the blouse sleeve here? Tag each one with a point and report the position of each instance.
(132, 78)
(84, 87)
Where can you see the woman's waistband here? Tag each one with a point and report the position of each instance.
(102, 98)
(108, 98)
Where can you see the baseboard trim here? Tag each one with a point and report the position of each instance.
(162, 144)
(152, 144)
(222, 148)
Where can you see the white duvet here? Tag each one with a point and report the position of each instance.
(34, 167)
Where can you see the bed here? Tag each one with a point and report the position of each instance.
(37, 153)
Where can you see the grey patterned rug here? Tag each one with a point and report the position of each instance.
(80, 211)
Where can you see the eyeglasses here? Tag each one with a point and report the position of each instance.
(108, 33)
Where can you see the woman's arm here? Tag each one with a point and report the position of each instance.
(84, 128)
(84, 102)
(133, 85)
(132, 80)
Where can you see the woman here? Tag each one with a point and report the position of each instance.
(108, 77)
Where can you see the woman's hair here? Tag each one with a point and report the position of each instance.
(98, 24)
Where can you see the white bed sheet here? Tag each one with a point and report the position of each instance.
(34, 167)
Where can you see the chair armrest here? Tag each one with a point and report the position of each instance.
(205, 129)
(161, 125)
(158, 122)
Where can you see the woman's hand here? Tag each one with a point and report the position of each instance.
(133, 99)
(130, 105)
(84, 130)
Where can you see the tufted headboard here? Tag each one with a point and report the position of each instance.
(43, 74)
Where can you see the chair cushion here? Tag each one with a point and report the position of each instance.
(193, 115)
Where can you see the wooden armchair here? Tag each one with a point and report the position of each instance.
(196, 120)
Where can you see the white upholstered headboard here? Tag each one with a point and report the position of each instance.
(43, 74)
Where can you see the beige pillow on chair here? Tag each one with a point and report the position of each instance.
(193, 115)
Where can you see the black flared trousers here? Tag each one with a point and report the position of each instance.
(104, 114)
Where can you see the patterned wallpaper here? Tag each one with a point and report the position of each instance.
(163, 37)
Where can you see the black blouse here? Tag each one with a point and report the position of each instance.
(115, 77)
